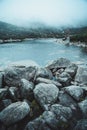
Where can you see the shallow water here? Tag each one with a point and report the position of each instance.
(40, 51)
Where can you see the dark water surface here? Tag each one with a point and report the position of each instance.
(40, 51)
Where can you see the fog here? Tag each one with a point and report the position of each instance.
(49, 12)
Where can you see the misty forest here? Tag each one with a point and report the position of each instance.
(43, 64)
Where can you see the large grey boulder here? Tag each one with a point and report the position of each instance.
(71, 69)
(46, 94)
(61, 111)
(81, 125)
(26, 89)
(75, 91)
(14, 113)
(48, 81)
(44, 73)
(47, 121)
(13, 75)
(66, 100)
(81, 76)
(64, 78)
(59, 63)
(83, 107)
(3, 93)
(37, 124)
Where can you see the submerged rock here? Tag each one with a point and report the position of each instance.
(46, 94)
(14, 113)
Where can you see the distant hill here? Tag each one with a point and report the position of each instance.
(8, 31)
(38, 30)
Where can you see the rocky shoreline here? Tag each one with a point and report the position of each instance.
(49, 98)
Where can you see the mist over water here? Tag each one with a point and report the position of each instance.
(49, 12)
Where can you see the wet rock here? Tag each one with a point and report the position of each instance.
(81, 76)
(44, 73)
(14, 93)
(50, 119)
(3, 93)
(4, 103)
(71, 69)
(81, 125)
(26, 89)
(75, 91)
(13, 75)
(47, 121)
(61, 111)
(47, 81)
(59, 63)
(83, 107)
(64, 79)
(1, 80)
(66, 100)
(37, 124)
(16, 112)
(46, 94)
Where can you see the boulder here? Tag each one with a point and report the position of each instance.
(46, 94)
(66, 100)
(1, 80)
(81, 76)
(59, 63)
(47, 121)
(71, 69)
(37, 124)
(61, 111)
(64, 78)
(14, 93)
(75, 91)
(26, 89)
(50, 119)
(83, 107)
(14, 113)
(3, 93)
(81, 125)
(44, 73)
(48, 81)
(13, 75)
(4, 103)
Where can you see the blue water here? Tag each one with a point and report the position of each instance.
(40, 51)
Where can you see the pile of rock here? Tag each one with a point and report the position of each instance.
(49, 98)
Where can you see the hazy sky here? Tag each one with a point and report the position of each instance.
(52, 12)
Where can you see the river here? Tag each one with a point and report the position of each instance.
(40, 51)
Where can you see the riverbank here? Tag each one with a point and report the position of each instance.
(68, 42)
(49, 98)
